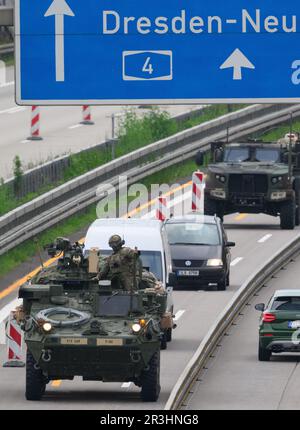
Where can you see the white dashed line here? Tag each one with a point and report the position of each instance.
(236, 261)
(8, 84)
(13, 110)
(25, 141)
(179, 315)
(75, 126)
(265, 238)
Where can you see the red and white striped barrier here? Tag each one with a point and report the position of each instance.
(198, 186)
(161, 210)
(35, 124)
(86, 115)
(14, 336)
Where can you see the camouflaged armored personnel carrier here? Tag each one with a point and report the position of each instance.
(255, 177)
(76, 325)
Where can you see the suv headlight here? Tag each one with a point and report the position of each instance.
(214, 262)
(276, 179)
(221, 178)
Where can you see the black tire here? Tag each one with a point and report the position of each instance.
(263, 354)
(35, 380)
(222, 285)
(228, 279)
(287, 215)
(150, 380)
(169, 335)
(163, 341)
(211, 207)
(297, 198)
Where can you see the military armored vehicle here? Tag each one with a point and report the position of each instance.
(76, 325)
(254, 177)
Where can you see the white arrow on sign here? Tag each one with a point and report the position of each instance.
(59, 8)
(237, 60)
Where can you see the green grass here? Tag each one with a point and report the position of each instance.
(27, 250)
(8, 59)
(279, 132)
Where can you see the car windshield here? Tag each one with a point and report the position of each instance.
(267, 155)
(286, 304)
(116, 305)
(151, 260)
(236, 155)
(192, 234)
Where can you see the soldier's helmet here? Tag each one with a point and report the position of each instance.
(116, 242)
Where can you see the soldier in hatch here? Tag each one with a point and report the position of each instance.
(120, 267)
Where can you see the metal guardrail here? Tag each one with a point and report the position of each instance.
(49, 209)
(187, 379)
(8, 48)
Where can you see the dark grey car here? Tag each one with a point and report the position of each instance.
(200, 250)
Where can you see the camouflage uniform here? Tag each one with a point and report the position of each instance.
(121, 265)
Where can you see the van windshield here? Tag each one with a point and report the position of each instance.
(192, 234)
(152, 261)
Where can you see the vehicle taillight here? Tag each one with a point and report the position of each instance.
(267, 318)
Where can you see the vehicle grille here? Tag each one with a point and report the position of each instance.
(195, 263)
(248, 184)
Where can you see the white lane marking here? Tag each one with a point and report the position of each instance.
(25, 141)
(13, 110)
(179, 314)
(126, 385)
(265, 238)
(75, 126)
(236, 261)
(8, 84)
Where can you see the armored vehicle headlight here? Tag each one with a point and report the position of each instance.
(47, 327)
(221, 178)
(214, 262)
(136, 328)
(276, 179)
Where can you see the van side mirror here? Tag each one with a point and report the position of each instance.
(230, 244)
(199, 158)
(260, 307)
(172, 282)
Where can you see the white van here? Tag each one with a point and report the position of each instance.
(148, 236)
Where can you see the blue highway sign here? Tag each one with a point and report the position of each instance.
(160, 52)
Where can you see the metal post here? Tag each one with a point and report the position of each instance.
(290, 147)
(113, 125)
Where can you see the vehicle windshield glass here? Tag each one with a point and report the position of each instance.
(268, 155)
(151, 260)
(193, 234)
(236, 155)
(116, 305)
(286, 304)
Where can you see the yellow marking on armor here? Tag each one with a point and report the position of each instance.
(56, 383)
(240, 217)
(48, 263)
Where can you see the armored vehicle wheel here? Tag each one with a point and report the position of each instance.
(211, 207)
(222, 285)
(151, 380)
(287, 215)
(35, 380)
(297, 194)
(263, 354)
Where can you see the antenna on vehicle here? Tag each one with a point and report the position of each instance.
(227, 133)
(290, 146)
(35, 240)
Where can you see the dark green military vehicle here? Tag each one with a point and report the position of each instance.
(254, 177)
(76, 325)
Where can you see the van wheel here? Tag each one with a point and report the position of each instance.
(163, 341)
(222, 285)
(150, 380)
(169, 335)
(35, 380)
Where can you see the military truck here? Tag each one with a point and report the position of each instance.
(76, 325)
(254, 177)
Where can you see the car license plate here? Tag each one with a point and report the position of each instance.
(109, 342)
(188, 273)
(294, 324)
(73, 341)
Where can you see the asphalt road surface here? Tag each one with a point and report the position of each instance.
(235, 379)
(257, 238)
(60, 129)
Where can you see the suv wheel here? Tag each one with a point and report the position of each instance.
(263, 354)
(150, 380)
(287, 215)
(35, 380)
(211, 207)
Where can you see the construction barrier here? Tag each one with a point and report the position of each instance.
(86, 115)
(198, 186)
(161, 210)
(14, 337)
(35, 124)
